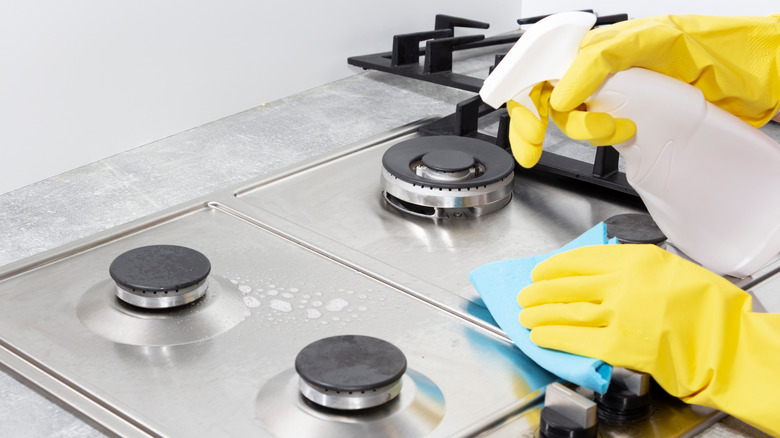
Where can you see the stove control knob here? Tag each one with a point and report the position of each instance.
(567, 414)
(628, 397)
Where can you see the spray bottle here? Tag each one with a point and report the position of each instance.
(709, 180)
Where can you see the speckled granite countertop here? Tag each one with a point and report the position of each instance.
(202, 160)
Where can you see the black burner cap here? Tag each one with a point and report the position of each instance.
(350, 363)
(448, 161)
(160, 268)
(634, 228)
(398, 160)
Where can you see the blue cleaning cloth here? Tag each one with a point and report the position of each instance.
(498, 284)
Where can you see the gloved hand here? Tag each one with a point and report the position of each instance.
(526, 130)
(642, 308)
(734, 61)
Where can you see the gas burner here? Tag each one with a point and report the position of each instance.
(350, 372)
(444, 176)
(634, 228)
(160, 276)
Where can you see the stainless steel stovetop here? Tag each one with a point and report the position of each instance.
(300, 255)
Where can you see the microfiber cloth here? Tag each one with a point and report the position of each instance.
(498, 284)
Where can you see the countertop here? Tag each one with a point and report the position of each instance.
(194, 163)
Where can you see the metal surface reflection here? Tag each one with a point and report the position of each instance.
(416, 412)
(105, 315)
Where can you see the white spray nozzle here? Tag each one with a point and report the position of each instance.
(543, 53)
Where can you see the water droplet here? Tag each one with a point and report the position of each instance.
(362, 308)
(273, 292)
(336, 318)
(288, 295)
(362, 296)
(293, 289)
(316, 303)
(313, 314)
(251, 302)
(282, 306)
(234, 282)
(337, 304)
(245, 289)
(247, 313)
(307, 296)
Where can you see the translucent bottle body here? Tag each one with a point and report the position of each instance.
(709, 180)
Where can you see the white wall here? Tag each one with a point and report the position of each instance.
(656, 7)
(85, 79)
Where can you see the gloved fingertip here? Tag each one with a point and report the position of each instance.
(527, 155)
(524, 124)
(625, 129)
(525, 321)
(524, 298)
(562, 99)
(561, 338)
(539, 337)
(584, 125)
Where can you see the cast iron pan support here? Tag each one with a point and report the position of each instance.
(464, 122)
(404, 60)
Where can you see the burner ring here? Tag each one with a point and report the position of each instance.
(161, 299)
(349, 400)
(495, 163)
(440, 203)
(160, 276)
(350, 372)
(447, 176)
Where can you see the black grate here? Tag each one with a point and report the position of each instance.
(440, 44)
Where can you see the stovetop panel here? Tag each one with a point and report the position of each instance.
(289, 296)
(326, 202)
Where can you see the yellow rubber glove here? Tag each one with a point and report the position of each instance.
(526, 130)
(642, 308)
(734, 61)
